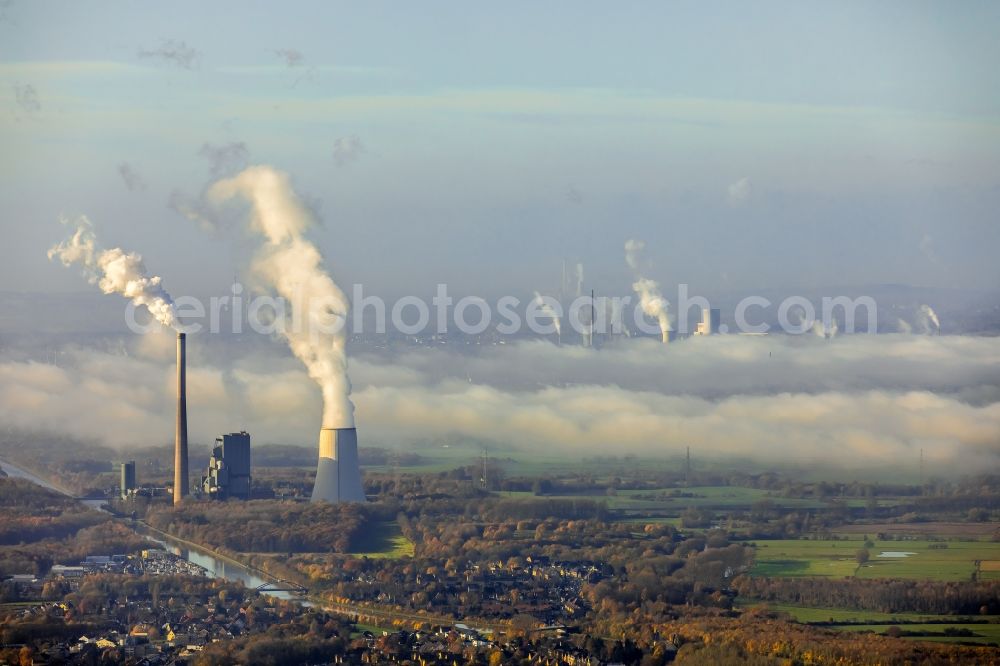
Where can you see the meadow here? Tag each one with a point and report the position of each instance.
(981, 632)
(383, 540)
(929, 559)
(985, 628)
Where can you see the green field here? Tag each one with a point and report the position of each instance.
(360, 629)
(808, 615)
(384, 540)
(984, 633)
(837, 558)
(987, 632)
(661, 502)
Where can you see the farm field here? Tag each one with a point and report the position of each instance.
(662, 501)
(982, 530)
(926, 559)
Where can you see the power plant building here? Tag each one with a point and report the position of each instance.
(128, 478)
(228, 474)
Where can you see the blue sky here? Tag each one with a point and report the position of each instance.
(750, 145)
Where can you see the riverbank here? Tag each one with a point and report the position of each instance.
(206, 550)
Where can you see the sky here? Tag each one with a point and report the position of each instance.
(778, 144)
(771, 146)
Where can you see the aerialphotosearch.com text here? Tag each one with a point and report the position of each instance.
(509, 315)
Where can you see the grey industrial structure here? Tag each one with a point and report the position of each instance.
(128, 478)
(338, 474)
(709, 324)
(228, 474)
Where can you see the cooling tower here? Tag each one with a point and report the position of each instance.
(181, 434)
(338, 475)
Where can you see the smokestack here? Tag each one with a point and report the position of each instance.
(593, 317)
(181, 434)
(338, 474)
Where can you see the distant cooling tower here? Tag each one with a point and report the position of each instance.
(338, 475)
(181, 432)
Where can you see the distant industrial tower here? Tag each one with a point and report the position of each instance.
(709, 324)
(338, 474)
(180, 434)
(593, 321)
(228, 473)
(128, 478)
(687, 468)
(484, 479)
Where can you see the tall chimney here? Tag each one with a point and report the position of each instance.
(181, 435)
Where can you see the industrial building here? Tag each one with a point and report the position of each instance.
(228, 474)
(709, 324)
(128, 478)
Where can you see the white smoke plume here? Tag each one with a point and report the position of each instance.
(827, 332)
(650, 299)
(292, 267)
(544, 306)
(115, 271)
(903, 326)
(929, 320)
(579, 280)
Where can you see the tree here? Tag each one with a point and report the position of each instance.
(862, 556)
(542, 487)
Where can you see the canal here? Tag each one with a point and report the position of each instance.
(216, 567)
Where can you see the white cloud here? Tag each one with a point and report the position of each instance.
(226, 158)
(174, 52)
(292, 57)
(131, 177)
(347, 150)
(740, 192)
(852, 401)
(26, 98)
(927, 248)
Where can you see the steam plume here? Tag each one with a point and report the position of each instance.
(929, 319)
(547, 309)
(650, 299)
(115, 271)
(903, 326)
(292, 267)
(820, 330)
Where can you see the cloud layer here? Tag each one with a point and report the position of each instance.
(853, 401)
